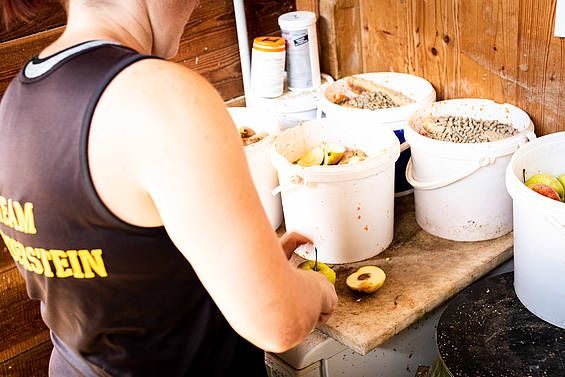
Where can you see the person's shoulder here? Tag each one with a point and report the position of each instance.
(156, 87)
(158, 74)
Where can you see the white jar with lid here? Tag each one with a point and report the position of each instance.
(302, 61)
(267, 66)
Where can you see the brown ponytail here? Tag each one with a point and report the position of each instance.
(19, 10)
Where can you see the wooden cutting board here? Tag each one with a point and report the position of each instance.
(423, 271)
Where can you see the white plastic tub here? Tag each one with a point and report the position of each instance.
(539, 230)
(347, 210)
(258, 158)
(459, 189)
(414, 87)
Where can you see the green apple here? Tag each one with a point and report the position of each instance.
(549, 180)
(333, 152)
(321, 268)
(314, 157)
(561, 179)
(545, 190)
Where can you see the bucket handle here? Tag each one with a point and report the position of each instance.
(481, 162)
(295, 181)
(556, 224)
(404, 146)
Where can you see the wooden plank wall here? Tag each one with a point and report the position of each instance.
(502, 50)
(209, 46)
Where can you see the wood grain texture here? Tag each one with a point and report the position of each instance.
(502, 50)
(340, 38)
(21, 327)
(51, 16)
(34, 362)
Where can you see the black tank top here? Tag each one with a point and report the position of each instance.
(119, 300)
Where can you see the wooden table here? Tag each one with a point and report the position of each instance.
(423, 271)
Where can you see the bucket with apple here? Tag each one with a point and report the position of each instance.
(535, 179)
(337, 187)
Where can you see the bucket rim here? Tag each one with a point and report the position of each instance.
(448, 146)
(334, 173)
(326, 103)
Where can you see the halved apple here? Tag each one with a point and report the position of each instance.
(314, 157)
(333, 152)
(366, 279)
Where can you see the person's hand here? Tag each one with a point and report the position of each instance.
(291, 241)
(329, 298)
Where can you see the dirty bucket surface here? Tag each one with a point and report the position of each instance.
(486, 331)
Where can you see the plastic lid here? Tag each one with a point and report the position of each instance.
(297, 20)
(292, 102)
(269, 43)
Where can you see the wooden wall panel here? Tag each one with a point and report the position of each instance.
(502, 50)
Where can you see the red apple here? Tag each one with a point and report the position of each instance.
(545, 190)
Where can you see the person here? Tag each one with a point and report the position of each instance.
(128, 206)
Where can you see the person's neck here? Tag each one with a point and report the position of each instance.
(128, 28)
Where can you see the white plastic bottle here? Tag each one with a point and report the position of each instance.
(267, 66)
(302, 61)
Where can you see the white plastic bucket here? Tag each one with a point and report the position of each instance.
(414, 87)
(539, 230)
(258, 158)
(459, 189)
(346, 210)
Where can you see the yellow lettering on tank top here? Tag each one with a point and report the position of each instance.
(22, 255)
(13, 215)
(92, 261)
(61, 263)
(12, 221)
(45, 258)
(75, 264)
(3, 210)
(34, 262)
(25, 219)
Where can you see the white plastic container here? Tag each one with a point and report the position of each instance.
(292, 108)
(459, 189)
(414, 87)
(267, 66)
(347, 210)
(539, 230)
(302, 61)
(258, 158)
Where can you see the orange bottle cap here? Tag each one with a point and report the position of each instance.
(269, 44)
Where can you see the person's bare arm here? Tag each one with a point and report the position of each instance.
(182, 163)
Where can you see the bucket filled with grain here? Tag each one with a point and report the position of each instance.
(384, 99)
(460, 151)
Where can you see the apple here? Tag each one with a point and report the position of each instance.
(314, 157)
(561, 179)
(366, 279)
(548, 180)
(545, 190)
(333, 152)
(320, 267)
